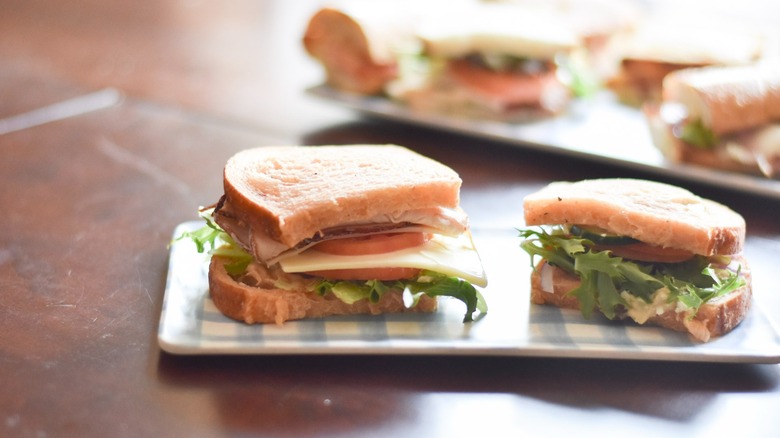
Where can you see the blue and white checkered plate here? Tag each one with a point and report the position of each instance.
(190, 324)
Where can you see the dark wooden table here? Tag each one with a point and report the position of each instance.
(165, 92)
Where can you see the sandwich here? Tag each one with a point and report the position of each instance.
(644, 251)
(721, 117)
(658, 47)
(496, 61)
(354, 46)
(309, 232)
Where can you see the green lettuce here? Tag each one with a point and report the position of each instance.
(212, 239)
(429, 283)
(604, 276)
(696, 134)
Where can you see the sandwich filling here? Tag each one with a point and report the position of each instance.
(623, 277)
(493, 59)
(366, 263)
(266, 249)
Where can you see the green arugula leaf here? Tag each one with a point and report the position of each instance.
(587, 294)
(555, 249)
(638, 280)
(604, 276)
(608, 296)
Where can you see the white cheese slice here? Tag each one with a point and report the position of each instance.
(453, 256)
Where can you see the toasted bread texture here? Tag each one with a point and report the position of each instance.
(727, 99)
(256, 298)
(291, 192)
(655, 213)
(715, 318)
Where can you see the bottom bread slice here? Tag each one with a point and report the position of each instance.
(715, 318)
(255, 297)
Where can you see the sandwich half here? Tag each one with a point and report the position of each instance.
(639, 250)
(721, 117)
(307, 232)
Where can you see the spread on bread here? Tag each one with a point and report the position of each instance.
(638, 249)
(305, 232)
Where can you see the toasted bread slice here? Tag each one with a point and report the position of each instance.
(655, 213)
(256, 298)
(290, 192)
(715, 318)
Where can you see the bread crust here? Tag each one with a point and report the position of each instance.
(254, 297)
(291, 192)
(655, 213)
(714, 318)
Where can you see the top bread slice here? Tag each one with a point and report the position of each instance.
(292, 192)
(652, 212)
(727, 99)
(504, 29)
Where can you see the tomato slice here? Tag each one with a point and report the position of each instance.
(383, 274)
(507, 87)
(372, 244)
(366, 245)
(647, 253)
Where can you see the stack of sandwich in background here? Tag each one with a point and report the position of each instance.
(505, 60)
(518, 60)
(500, 55)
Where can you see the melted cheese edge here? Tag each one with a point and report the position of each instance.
(453, 256)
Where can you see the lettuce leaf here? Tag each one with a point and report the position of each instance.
(429, 283)
(212, 239)
(696, 134)
(604, 276)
